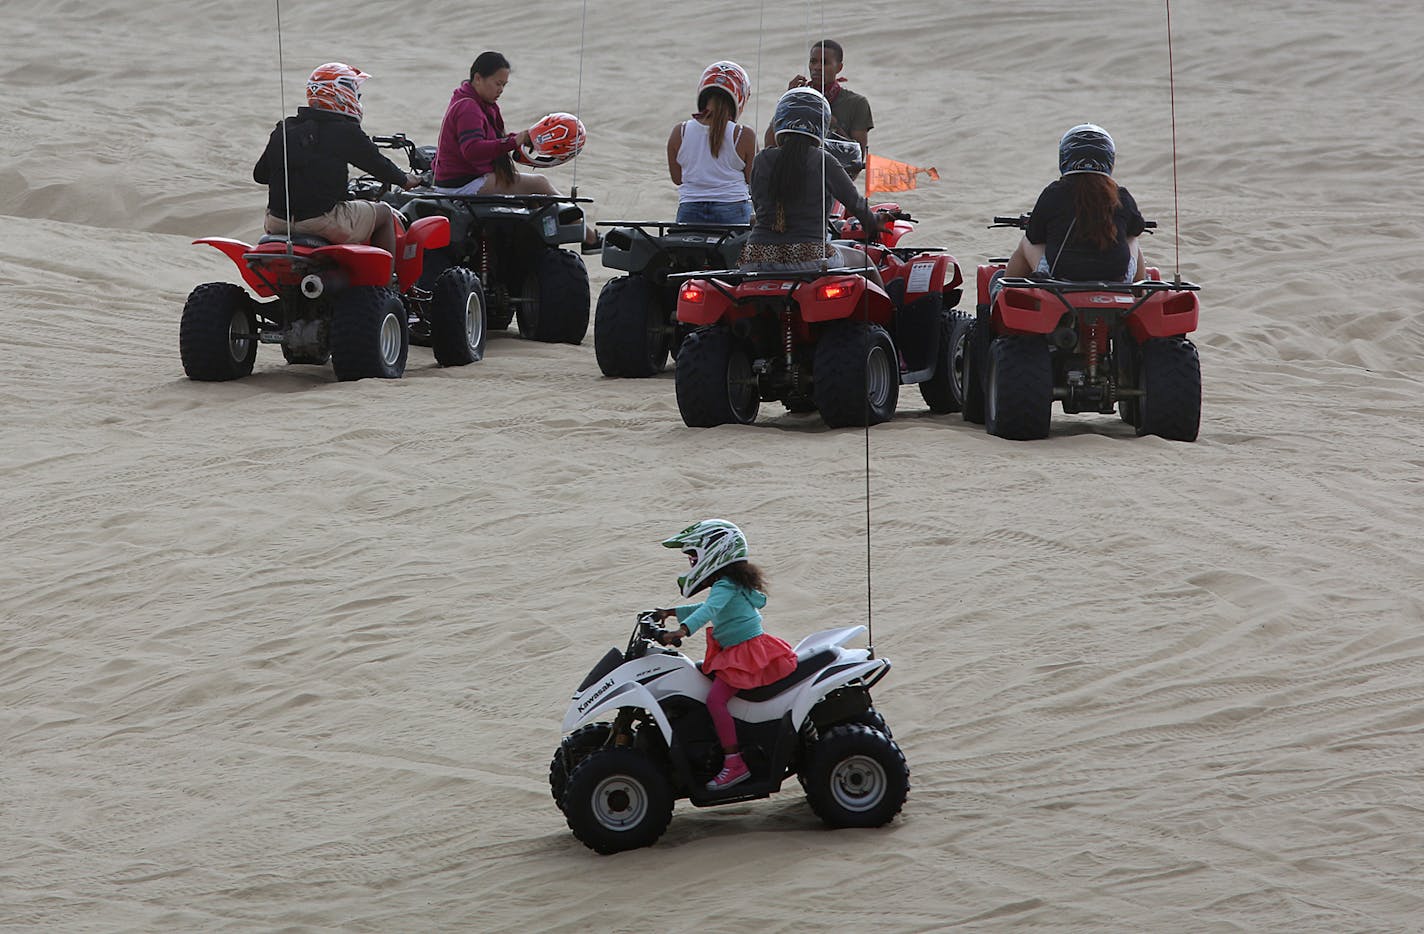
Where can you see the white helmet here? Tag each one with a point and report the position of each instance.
(711, 544)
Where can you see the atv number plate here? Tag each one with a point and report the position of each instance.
(919, 279)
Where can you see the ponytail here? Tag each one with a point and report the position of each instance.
(1095, 200)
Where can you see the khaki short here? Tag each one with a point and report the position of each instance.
(348, 222)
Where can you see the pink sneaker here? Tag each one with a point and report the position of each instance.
(734, 771)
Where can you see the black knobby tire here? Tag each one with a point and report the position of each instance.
(573, 750)
(1018, 397)
(369, 334)
(972, 362)
(555, 299)
(1127, 358)
(457, 318)
(714, 380)
(942, 392)
(1170, 405)
(217, 338)
(630, 332)
(856, 776)
(857, 375)
(617, 799)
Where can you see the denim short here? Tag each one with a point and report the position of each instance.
(714, 212)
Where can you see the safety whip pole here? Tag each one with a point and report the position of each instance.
(282, 122)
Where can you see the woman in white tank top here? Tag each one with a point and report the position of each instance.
(710, 155)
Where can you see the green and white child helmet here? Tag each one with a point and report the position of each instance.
(711, 545)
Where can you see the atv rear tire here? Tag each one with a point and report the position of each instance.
(1170, 404)
(369, 336)
(941, 392)
(617, 799)
(457, 318)
(1018, 398)
(217, 338)
(573, 750)
(630, 332)
(714, 380)
(856, 776)
(555, 301)
(857, 375)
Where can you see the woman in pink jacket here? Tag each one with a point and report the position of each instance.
(473, 153)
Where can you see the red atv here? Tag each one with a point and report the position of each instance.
(337, 302)
(830, 340)
(894, 223)
(1091, 346)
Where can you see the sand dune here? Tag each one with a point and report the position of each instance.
(288, 654)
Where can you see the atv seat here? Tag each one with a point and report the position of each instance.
(805, 668)
(297, 240)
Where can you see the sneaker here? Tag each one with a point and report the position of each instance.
(734, 772)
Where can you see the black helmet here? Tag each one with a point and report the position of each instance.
(1087, 147)
(802, 110)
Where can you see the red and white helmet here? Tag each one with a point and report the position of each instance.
(730, 77)
(554, 140)
(336, 87)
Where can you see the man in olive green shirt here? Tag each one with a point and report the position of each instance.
(850, 112)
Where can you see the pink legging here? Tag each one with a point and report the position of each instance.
(717, 698)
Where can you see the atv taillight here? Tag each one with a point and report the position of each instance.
(692, 293)
(832, 290)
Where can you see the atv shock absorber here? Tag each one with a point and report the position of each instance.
(484, 261)
(1092, 350)
(788, 342)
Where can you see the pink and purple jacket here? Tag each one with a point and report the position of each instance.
(472, 136)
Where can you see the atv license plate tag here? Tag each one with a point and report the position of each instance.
(551, 226)
(919, 278)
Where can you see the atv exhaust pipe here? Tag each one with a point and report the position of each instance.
(1064, 338)
(312, 286)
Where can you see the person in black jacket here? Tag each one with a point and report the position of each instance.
(1084, 226)
(310, 166)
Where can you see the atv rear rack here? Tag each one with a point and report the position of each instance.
(499, 199)
(1060, 289)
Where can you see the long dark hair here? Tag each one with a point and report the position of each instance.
(1094, 202)
(720, 110)
(788, 176)
(744, 574)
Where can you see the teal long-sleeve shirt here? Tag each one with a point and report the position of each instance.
(731, 609)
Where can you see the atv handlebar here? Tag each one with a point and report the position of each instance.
(1021, 222)
(649, 628)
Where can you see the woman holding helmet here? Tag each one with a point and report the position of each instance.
(792, 186)
(710, 154)
(475, 154)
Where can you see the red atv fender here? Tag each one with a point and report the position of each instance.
(830, 298)
(428, 233)
(362, 263)
(1034, 311)
(923, 273)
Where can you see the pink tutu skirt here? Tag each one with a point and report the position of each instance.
(760, 660)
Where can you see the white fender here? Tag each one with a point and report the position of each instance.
(628, 694)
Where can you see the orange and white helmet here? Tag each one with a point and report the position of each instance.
(336, 87)
(730, 77)
(554, 140)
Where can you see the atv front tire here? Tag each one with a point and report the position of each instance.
(1170, 405)
(971, 361)
(573, 750)
(630, 332)
(856, 776)
(714, 380)
(1018, 398)
(369, 336)
(457, 318)
(857, 376)
(555, 301)
(617, 799)
(217, 338)
(941, 392)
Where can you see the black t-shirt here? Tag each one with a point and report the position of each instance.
(320, 145)
(1053, 216)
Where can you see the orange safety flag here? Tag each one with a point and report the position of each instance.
(882, 174)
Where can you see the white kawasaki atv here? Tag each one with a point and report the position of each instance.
(616, 780)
